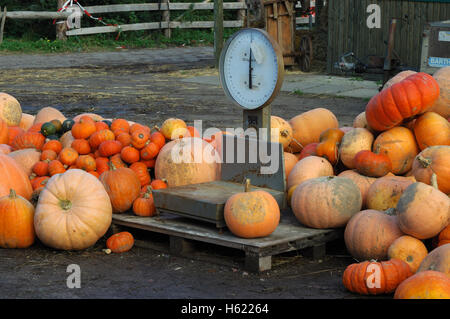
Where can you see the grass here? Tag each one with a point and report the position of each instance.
(108, 42)
(298, 92)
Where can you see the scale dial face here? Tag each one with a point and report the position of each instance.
(251, 68)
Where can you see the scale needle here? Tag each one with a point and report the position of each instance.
(250, 70)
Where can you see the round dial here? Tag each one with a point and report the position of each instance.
(251, 68)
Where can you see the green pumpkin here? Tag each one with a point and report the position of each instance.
(57, 124)
(67, 125)
(48, 129)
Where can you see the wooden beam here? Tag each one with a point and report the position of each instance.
(166, 18)
(2, 25)
(218, 30)
(36, 15)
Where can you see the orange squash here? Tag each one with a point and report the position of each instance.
(409, 249)
(4, 132)
(431, 129)
(307, 168)
(424, 285)
(328, 146)
(289, 162)
(372, 164)
(145, 205)
(13, 177)
(354, 141)
(120, 242)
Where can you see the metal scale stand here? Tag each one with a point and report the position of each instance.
(251, 74)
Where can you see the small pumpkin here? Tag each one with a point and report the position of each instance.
(53, 145)
(129, 154)
(124, 138)
(110, 148)
(68, 156)
(158, 184)
(308, 150)
(56, 167)
(409, 249)
(100, 136)
(139, 139)
(158, 138)
(444, 236)
(289, 162)
(28, 140)
(120, 242)
(372, 164)
(84, 128)
(142, 173)
(81, 146)
(86, 163)
(424, 285)
(144, 205)
(150, 151)
(174, 128)
(354, 141)
(120, 125)
(41, 168)
(328, 146)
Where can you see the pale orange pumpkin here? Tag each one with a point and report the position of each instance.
(326, 202)
(385, 192)
(13, 177)
(354, 141)
(307, 168)
(442, 104)
(252, 214)
(26, 158)
(10, 109)
(5, 149)
(369, 234)
(289, 162)
(363, 183)
(431, 129)
(26, 121)
(424, 285)
(361, 121)
(73, 211)
(16, 221)
(281, 131)
(409, 249)
(48, 114)
(438, 259)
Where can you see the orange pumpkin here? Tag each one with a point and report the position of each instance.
(139, 139)
(308, 150)
(124, 138)
(289, 162)
(444, 236)
(4, 132)
(28, 140)
(424, 285)
(409, 249)
(438, 259)
(110, 148)
(121, 125)
(431, 129)
(398, 78)
(307, 168)
(158, 184)
(86, 163)
(100, 136)
(68, 156)
(56, 167)
(84, 128)
(142, 173)
(81, 146)
(129, 154)
(53, 145)
(252, 214)
(281, 131)
(326, 202)
(150, 151)
(13, 177)
(120, 242)
(372, 164)
(369, 234)
(328, 147)
(144, 205)
(158, 138)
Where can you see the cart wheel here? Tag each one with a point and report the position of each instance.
(305, 53)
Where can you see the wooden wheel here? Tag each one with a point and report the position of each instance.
(305, 53)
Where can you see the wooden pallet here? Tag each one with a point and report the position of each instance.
(290, 235)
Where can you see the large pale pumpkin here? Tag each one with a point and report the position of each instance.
(189, 160)
(424, 285)
(354, 141)
(73, 211)
(47, 114)
(438, 259)
(13, 177)
(307, 127)
(385, 192)
(369, 233)
(431, 129)
(307, 168)
(363, 183)
(10, 109)
(423, 211)
(442, 104)
(26, 158)
(326, 202)
(433, 159)
(399, 144)
(281, 131)
(413, 95)
(26, 121)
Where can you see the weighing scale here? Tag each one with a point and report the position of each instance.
(251, 73)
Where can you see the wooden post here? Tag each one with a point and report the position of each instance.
(2, 26)
(218, 29)
(242, 14)
(61, 28)
(166, 18)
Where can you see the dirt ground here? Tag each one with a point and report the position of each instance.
(141, 93)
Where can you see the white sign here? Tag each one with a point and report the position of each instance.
(438, 62)
(444, 36)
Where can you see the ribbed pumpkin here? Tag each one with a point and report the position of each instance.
(73, 211)
(307, 168)
(372, 164)
(375, 278)
(188, 160)
(16, 221)
(442, 104)
(424, 285)
(123, 187)
(252, 214)
(409, 249)
(10, 110)
(363, 183)
(399, 144)
(413, 95)
(120, 242)
(369, 233)
(307, 127)
(13, 177)
(433, 159)
(28, 140)
(174, 128)
(47, 114)
(144, 205)
(431, 129)
(326, 202)
(281, 131)
(354, 141)
(26, 158)
(385, 192)
(423, 211)
(438, 259)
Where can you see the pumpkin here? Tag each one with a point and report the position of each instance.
(289, 162)
(423, 211)
(374, 278)
(150, 151)
(174, 128)
(16, 221)
(41, 168)
(116, 160)
(385, 192)
(123, 187)
(142, 173)
(84, 128)
(100, 136)
(101, 164)
(290, 193)
(307, 168)
(86, 163)
(26, 121)
(4, 132)
(280, 131)
(39, 182)
(56, 167)
(13, 176)
(68, 156)
(53, 145)
(67, 139)
(308, 150)
(120, 242)
(129, 154)
(328, 146)
(413, 95)
(93, 116)
(10, 110)
(28, 140)
(409, 249)
(192, 132)
(433, 159)
(307, 127)
(110, 148)
(47, 114)
(158, 184)
(369, 234)
(26, 159)
(100, 126)
(121, 125)
(252, 214)
(363, 183)
(139, 139)
(354, 141)
(326, 202)
(124, 138)
(48, 155)
(398, 78)
(424, 285)
(361, 122)
(399, 144)
(431, 129)
(144, 205)
(73, 211)
(442, 104)
(158, 138)
(372, 164)
(5, 149)
(444, 236)
(13, 132)
(438, 259)
(137, 127)
(188, 160)
(81, 146)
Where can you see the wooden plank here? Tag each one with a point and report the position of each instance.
(2, 25)
(36, 15)
(166, 18)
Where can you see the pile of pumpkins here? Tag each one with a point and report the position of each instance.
(385, 180)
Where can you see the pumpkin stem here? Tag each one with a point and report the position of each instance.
(390, 211)
(425, 162)
(247, 185)
(12, 194)
(65, 204)
(434, 181)
(112, 166)
(298, 143)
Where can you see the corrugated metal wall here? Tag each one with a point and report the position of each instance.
(348, 31)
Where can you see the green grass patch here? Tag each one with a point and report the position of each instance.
(298, 92)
